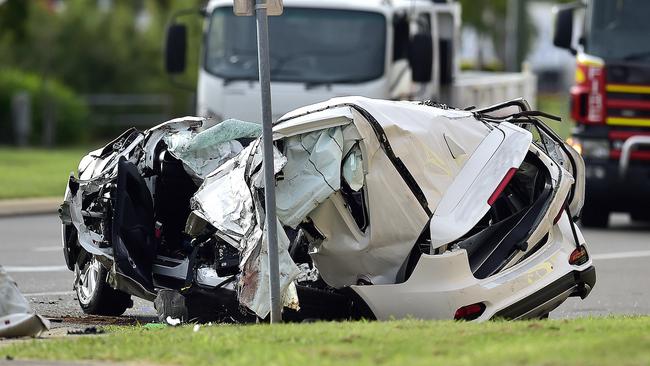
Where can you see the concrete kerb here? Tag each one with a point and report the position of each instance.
(29, 206)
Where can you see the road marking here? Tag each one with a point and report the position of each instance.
(622, 255)
(47, 249)
(33, 269)
(53, 293)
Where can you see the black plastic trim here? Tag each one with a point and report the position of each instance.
(581, 281)
(359, 309)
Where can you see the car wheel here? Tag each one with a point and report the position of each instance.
(95, 296)
(593, 217)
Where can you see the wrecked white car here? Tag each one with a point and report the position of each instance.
(388, 209)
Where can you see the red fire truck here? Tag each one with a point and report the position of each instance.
(610, 103)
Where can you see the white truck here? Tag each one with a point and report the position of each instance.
(320, 49)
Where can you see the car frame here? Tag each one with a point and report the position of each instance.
(388, 209)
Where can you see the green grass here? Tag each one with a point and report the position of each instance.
(586, 341)
(556, 104)
(36, 172)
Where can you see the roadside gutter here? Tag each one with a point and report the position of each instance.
(29, 206)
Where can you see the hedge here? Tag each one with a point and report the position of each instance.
(70, 110)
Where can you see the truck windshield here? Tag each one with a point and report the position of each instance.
(306, 45)
(618, 29)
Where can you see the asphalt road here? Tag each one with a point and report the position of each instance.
(31, 252)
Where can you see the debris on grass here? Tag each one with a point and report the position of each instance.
(86, 331)
(172, 321)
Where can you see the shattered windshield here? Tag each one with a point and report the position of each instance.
(618, 29)
(306, 45)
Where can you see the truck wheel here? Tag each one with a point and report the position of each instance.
(95, 296)
(643, 217)
(596, 218)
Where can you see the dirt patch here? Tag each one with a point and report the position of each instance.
(98, 320)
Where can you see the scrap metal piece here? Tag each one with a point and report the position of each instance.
(229, 200)
(16, 316)
(170, 307)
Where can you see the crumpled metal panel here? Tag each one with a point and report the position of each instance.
(312, 173)
(88, 239)
(225, 200)
(417, 136)
(254, 289)
(105, 172)
(11, 300)
(228, 200)
(16, 316)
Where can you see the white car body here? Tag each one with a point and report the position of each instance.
(398, 208)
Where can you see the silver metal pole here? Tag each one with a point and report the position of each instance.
(267, 141)
(511, 46)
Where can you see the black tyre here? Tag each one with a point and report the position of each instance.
(642, 217)
(95, 296)
(595, 217)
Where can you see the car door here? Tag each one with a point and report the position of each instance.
(132, 236)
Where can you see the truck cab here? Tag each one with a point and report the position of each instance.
(320, 49)
(610, 103)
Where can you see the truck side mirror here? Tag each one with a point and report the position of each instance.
(400, 37)
(563, 32)
(421, 57)
(176, 48)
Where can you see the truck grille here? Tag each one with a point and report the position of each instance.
(628, 94)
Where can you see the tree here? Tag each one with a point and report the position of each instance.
(13, 18)
(490, 18)
(93, 50)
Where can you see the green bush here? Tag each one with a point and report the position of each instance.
(70, 110)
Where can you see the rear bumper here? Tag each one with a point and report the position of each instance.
(441, 284)
(577, 283)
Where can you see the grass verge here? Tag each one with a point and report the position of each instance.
(558, 105)
(585, 341)
(36, 172)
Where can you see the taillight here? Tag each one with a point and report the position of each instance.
(588, 96)
(504, 182)
(579, 256)
(470, 312)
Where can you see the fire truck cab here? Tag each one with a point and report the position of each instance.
(610, 103)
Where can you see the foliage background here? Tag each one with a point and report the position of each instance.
(62, 50)
(77, 47)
